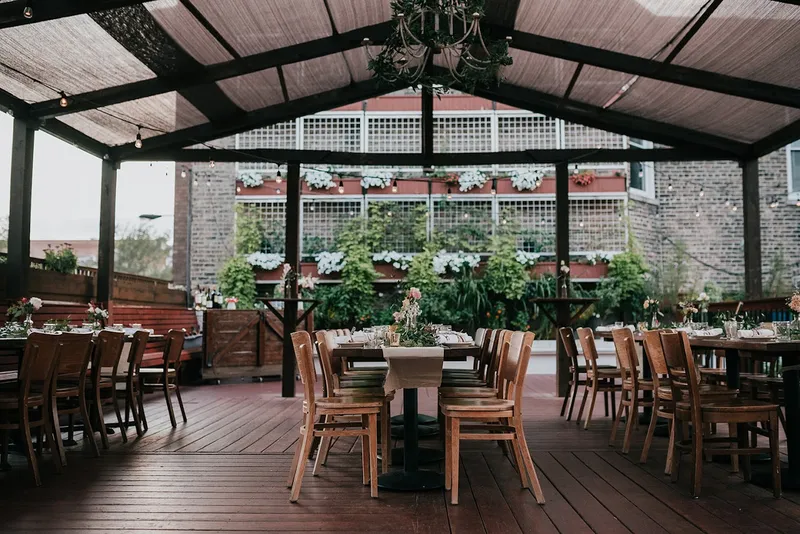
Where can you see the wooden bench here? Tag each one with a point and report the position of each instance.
(160, 319)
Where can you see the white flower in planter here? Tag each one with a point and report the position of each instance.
(330, 262)
(264, 261)
(251, 179)
(470, 179)
(593, 258)
(527, 259)
(318, 179)
(396, 259)
(454, 262)
(526, 180)
(376, 179)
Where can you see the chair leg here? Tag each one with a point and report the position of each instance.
(140, 401)
(180, 400)
(386, 451)
(297, 450)
(455, 438)
(59, 445)
(633, 419)
(447, 453)
(169, 403)
(775, 453)
(101, 420)
(70, 428)
(25, 427)
(591, 409)
(130, 403)
(697, 460)
(516, 446)
(373, 454)
(39, 440)
(651, 429)
(365, 451)
(572, 401)
(50, 435)
(615, 424)
(583, 401)
(670, 447)
(308, 437)
(733, 433)
(4, 465)
(605, 402)
(528, 461)
(573, 384)
(613, 402)
(322, 448)
(679, 429)
(123, 428)
(743, 439)
(87, 425)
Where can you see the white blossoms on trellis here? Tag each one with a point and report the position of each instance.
(396, 259)
(251, 179)
(317, 179)
(593, 258)
(454, 262)
(528, 259)
(330, 262)
(526, 180)
(376, 179)
(469, 179)
(265, 261)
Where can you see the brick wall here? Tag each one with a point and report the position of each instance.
(714, 240)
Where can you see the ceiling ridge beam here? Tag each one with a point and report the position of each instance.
(776, 140)
(44, 10)
(610, 120)
(536, 156)
(220, 71)
(657, 70)
(259, 118)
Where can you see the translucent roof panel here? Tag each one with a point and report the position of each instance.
(255, 90)
(543, 73)
(358, 13)
(357, 62)
(754, 39)
(253, 26)
(705, 111)
(597, 86)
(187, 31)
(158, 114)
(637, 27)
(317, 75)
(73, 54)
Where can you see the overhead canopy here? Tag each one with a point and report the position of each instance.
(709, 74)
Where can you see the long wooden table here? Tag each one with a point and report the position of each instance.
(411, 478)
(765, 351)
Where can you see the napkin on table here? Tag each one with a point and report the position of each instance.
(758, 332)
(708, 333)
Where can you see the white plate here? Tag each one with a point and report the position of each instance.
(460, 344)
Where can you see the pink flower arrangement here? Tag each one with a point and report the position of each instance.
(231, 299)
(415, 293)
(794, 303)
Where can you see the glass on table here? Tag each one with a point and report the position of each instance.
(619, 324)
(782, 329)
(731, 329)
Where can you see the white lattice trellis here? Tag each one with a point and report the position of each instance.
(464, 223)
(580, 136)
(462, 133)
(535, 220)
(404, 218)
(596, 224)
(322, 220)
(273, 215)
(396, 133)
(341, 133)
(282, 135)
(524, 132)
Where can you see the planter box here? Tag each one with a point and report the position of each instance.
(577, 271)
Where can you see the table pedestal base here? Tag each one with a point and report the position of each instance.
(411, 481)
(763, 478)
(424, 431)
(426, 456)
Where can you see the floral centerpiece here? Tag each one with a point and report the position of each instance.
(95, 314)
(702, 304)
(794, 304)
(652, 312)
(688, 309)
(410, 332)
(24, 308)
(231, 302)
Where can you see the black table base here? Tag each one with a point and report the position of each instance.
(425, 456)
(763, 478)
(418, 480)
(423, 431)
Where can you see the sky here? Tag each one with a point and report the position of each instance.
(66, 189)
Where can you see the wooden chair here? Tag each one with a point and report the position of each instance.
(355, 377)
(691, 409)
(486, 386)
(68, 394)
(506, 409)
(482, 339)
(134, 401)
(632, 386)
(567, 339)
(598, 379)
(27, 397)
(169, 374)
(663, 404)
(367, 408)
(333, 388)
(105, 364)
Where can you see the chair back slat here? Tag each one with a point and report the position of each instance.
(484, 359)
(496, 362)
(516, 355)
(480, 335)
(301, 341)
(136, 351)
(326, 362)
(39, 362)
(108, 350)
(567, 338)
(74, 354)
(627, 358)
(675, 362)
(586, 337)
(174, 346)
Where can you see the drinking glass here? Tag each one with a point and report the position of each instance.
(782, 329)
(619, 324)
(731, 329)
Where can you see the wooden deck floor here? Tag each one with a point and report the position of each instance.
(225, 471)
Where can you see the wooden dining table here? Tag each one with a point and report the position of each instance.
(764, 350)
(411, 478)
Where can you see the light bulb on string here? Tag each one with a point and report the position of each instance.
(278, 177)
(138, 142)
(697, 213)
(669, 187)
(208, 182)
(278, 191)
(194, 182)
(449, 194)
(504, 221)
(580, 224)
(466, 215)
(734, 208)
(575, 169)
(63, 102)
(183, 173)
(341, 187)
(702, 192)
(727, 203)
(494, 186)
(311, 206)
(211, 163)
(542, 221)
(28, 11)
(797, 203)
(388, 213)
(394, 186)
(238, 189)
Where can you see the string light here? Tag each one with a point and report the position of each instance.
(278, 177)
(797, 203)
(341, 187)
(388, 213)
(494, 186)
(734, 208)
(504, 221)
(211, 164)
(194, 182)
(669, 187)
(28, 11)
(208, 182)
(311, 206)
(394, 186)
(183, 173)
(697, 212)
(542, 221)
(580, 224)
(466, 215)
(702, 192)
(449, 194)
(727, 203)
(278, 191)
(138, 142)
(575, 169)
(63, 102)
(238, 189)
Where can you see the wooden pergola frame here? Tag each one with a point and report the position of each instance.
(197, 83)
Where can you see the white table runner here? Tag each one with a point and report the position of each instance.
(413, 367)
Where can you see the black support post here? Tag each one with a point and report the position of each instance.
(752, 229)
(427, 127)
(293, 259)
(105, 245)
(562, 254)
(19, 214)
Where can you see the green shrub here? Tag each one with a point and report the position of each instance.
(61, 259)
(236, 279)
(504, 275)
(623, 291)
(249, 236)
